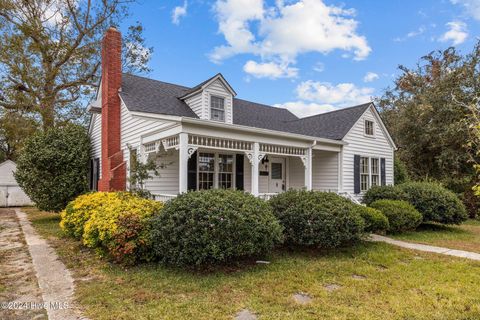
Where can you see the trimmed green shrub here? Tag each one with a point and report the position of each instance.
(202, 228)
(402, 216)
(52, 167)
(375, 220)
(320, 219)
(384, 192)
(116, 224)
(435, 203)
(463, 188)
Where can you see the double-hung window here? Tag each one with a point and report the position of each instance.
(375, 171)
(217, 108)
(364, 173)
(215, 171)
(369, 128)
(225, 171)
(206, 171)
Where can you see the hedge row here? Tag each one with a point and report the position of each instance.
(203, 228)
(434, 202)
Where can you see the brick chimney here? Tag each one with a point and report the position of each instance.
(113, 167)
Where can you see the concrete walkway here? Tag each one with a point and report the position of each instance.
(54, 279)
(426, 248)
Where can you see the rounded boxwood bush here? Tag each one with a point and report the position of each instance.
(435, 203)
(384, 192)
(375, 220)
(402, 216)
(313, 218)
(202, 228)
(52, 167)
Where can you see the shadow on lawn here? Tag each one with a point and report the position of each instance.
(435, 227)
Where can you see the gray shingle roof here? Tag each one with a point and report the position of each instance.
(152, 96)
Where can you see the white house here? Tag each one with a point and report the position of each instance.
(204, 137)
(11, 195)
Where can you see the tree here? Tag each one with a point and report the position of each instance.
(141, 172)
(50, 54)
(15, 127)
(428, 115)
(52, 168)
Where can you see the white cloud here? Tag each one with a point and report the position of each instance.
(302, 109)
(319, 67)
(370, 76)
(319, 97)
(411, 34)
(342, 94)
(270, 70)
(457, 33)
(179, 12)
(472, 7)
(284, 31)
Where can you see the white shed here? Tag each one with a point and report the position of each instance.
(11, 195)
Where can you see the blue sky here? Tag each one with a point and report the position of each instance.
(310, 56)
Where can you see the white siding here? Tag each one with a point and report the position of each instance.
(296, 173)
(10, 193)
(132, 128)
(196, 104)
(216, 88)
(167, 180)
(6, 173)
(358, 143)
(96, 137)
(325, 171)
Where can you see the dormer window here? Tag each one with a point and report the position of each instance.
(369, 128)
(217, 108)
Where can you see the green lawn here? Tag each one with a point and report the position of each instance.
(462, 237)
(398, 284)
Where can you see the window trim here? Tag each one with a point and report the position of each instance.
(224, 107)
(365, 128)
(365, 174)
(216, 167)
(371, 171)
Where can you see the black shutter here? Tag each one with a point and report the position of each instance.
(96, 173)
(90, 175)
(356, 173)
(192, 172)
(383, 178)
(239, 171)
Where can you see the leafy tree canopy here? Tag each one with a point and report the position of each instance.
(429, 113)
(50, 54)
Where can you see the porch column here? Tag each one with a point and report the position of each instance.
(183, 162)
(256, 154)
(308, 169)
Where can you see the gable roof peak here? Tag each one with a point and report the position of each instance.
(205, 83)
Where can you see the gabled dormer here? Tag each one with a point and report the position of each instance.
(212, 99)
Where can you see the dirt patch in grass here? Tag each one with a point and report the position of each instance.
(397, 285)
(463, 237)
(18, 283)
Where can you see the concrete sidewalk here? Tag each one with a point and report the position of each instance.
(54, 279)
(426, 248)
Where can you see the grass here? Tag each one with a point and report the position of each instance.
(399, 284)
(462, 237)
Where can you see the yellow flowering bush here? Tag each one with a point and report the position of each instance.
(115, 223)
(78, 211)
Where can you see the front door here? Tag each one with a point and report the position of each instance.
(277, 175)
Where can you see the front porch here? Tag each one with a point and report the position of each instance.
(189, 161)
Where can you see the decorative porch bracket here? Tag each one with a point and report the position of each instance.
(250, 156)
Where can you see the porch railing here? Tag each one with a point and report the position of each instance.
(163, 197)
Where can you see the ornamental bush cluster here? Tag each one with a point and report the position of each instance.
(116, 224)
(375, 220)
(434, 202)
(320, 219)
